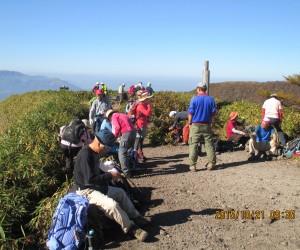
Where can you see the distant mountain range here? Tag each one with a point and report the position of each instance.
(12, 82)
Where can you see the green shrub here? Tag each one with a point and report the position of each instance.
(31, 162)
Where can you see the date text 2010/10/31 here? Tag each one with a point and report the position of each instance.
(254, 215)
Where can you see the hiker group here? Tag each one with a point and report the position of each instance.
(123, 134)
(262, 141)
(97, 183)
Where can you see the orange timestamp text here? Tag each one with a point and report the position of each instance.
(255, 214)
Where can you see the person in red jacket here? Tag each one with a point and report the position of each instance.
(232, 133)
(143, 112)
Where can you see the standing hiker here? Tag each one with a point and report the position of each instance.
(202, 110)
(121, 92)
(123, 128)
(272, 110)
(99, 106)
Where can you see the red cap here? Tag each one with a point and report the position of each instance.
(99, 92)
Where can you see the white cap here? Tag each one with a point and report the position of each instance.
(97, 83)
(149, 84)
(201, 85)
(123, 84)
(172, 113)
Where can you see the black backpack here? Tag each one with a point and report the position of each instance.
(73, 132)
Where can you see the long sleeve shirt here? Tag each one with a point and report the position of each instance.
(99, 107)
(121, 124)
(180, 116)
(87, 172)
(143, 112)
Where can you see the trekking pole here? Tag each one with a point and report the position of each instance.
(90, 236)
(129, 180)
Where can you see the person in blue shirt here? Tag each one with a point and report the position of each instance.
(263, 140)
(128, 105)
(202, 110)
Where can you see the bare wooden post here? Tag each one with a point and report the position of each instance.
(206, 75)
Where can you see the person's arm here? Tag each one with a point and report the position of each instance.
(92, 112)
(190, 118)
(145, 110)
(116, 128)
(263, 112)
(280, 113)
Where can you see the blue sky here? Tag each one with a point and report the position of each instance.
(165, 42)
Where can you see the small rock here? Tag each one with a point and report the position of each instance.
(272, 197)
(284, 243)
(162, 232)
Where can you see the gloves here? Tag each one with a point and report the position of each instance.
(91, 121)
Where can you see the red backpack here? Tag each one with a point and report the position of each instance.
(131, 90)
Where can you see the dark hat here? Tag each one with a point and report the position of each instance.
(106, 137)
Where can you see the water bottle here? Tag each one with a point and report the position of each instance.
(90, 236)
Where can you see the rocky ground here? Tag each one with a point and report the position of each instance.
(185, 206)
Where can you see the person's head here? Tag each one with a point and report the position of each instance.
(172, 114)
(274, 96)
(99, 94)
(145, 97)
(201, 87)
(149, 84)
(265, 123)
(123, 84)
(140, 84)
(108, 114)
(234, 116)
(103, 139)
(97, 84)
(102, 83)
(130, 101)
(139, 93)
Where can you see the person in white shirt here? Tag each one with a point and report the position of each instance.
(272, 110)
(121, 92)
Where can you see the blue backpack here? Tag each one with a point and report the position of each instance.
(67, 230)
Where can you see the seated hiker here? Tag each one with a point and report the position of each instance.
(71, 149)
(263, 140)
(91, 183)
(233, 134)
(123, 128)
(181, 116)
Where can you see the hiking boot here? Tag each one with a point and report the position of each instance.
(259, 154)
(142, 221)
(210, 166)
(192, 168)
(251, 157)
(184, 144)
(127, 174)
(138, 233)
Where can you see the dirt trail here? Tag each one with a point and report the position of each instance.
(184, 204)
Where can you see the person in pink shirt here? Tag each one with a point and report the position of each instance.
(123, 128)
(143, 112)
